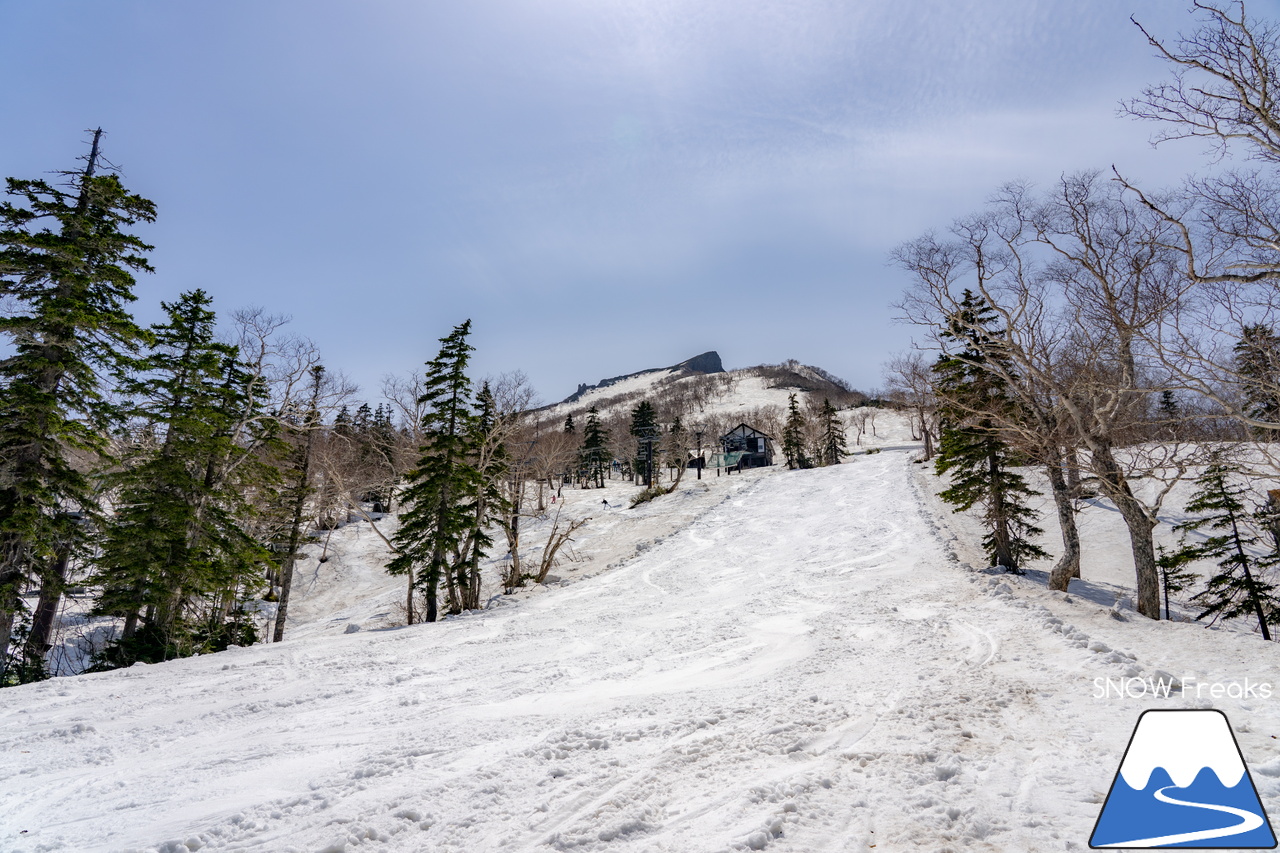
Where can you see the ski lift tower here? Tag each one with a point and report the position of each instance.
(646, 440)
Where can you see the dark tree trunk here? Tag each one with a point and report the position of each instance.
(130, 625)
(132, 618)
(47, 609)
(8, 613)
(1248, 579)
(408, 601)
(433, 604)
(999, 518)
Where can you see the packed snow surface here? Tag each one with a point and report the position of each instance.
(801, 663)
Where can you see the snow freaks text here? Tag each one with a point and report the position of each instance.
(1187, 687)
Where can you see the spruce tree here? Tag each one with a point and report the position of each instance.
(342, 425)
(68, 262)
(594, 453)
(488, 500)
(832, 440)
(435, 521)
(1267, 516)
(363, 419)
(972, 397)
(1174, 575)
(381, 458)
(569, 427)
(1168, 416)
(1237, 588)
(793, 435)
(176, 537)
(368, 441)
(1257, 356)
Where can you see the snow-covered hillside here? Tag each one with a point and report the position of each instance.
(789, 661)
(718, 397)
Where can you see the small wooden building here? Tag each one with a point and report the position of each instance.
(745, 447)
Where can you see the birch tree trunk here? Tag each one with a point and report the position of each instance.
(1068, 566)
(1140, 524)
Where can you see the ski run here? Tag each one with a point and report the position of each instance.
(787, 661)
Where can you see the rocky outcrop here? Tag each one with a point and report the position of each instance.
(707, 362)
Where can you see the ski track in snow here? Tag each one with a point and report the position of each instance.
(806, 667)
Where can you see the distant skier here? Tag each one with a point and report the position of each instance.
(605, 502)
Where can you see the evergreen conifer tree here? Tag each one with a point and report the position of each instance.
(342, 423)
(1258, 366)
(594, 454)
(382, 444)
(492, 463)
(832, 440)
(1174, 575)
(569, 427)
(68, 262)
(1237, 588)
(793, 434)
(176, 535)
(1169, 414)
(1267, 516)
(435, 521)
(363, 418)
(971, 394)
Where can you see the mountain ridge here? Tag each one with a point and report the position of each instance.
(704, 363)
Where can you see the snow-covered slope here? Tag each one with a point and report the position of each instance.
(704, 397)
(352, 588)
(798, 663)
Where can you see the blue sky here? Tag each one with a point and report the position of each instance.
(600, 185)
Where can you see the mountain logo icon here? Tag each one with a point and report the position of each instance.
(1183, 783)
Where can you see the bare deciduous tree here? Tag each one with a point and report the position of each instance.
(556, 539)
(1083, 280)
(1225, 226)
(909, 382)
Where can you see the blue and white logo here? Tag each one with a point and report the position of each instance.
(1183, 783)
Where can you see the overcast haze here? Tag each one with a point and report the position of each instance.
(600, 186)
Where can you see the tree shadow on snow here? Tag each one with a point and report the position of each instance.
(1101, 594)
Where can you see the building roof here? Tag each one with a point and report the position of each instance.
(744, 428)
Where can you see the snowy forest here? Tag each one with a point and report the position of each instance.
(170, 475)
(1101, 329)
(246, 604)
(1102, 332)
